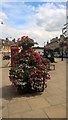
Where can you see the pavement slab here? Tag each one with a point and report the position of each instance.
(38, 113)
(18, 107)
(38, 102)
(49, 104)
(55, 100)
(56, 111)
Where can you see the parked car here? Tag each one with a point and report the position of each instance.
(6, 57)
(60, 55)
(65, 56)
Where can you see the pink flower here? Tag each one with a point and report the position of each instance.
(18, 39)
(48, 76)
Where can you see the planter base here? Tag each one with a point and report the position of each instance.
(27, 90)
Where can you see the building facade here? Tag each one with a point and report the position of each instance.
(59, 44)
(40, 50)
(54, 43)
(5, 45)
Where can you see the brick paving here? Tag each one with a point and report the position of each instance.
(49, 104)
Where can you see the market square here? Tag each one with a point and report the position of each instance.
(33, 59)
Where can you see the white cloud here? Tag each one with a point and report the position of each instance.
(45, 24)
(3, 17)
(50, 17)
(35, 32)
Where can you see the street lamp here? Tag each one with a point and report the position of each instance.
(1, 22)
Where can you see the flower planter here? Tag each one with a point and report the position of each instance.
(30, 72)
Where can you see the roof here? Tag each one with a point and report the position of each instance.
(38, 47)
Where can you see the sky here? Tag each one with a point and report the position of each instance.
(41, 21)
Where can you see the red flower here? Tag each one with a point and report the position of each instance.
(26, 37)
(37, 55)
(30, 48)
(23, 37)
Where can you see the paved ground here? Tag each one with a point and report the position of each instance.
(50, 104)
